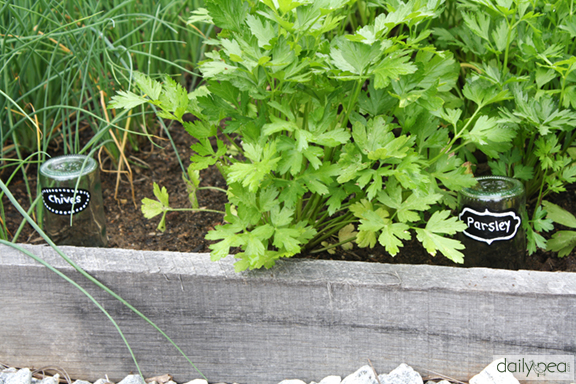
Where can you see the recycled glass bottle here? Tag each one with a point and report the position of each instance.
(73, 210)
(493, 210)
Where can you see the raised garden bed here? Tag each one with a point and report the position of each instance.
(302, 319)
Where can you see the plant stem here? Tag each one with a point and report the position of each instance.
(350, 239)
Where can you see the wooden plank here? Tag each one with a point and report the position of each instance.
(303, 319)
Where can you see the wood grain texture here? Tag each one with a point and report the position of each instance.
(302, 319)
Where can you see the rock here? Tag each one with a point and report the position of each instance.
(23, 376)
(364, 375)
(293, 381)
(81, 382)
(403, 374)
(51, 380)
(7, 372)
(159, 379)
(197, 381)
(491, 375)
(102, 381)
(132, 379)
(331, 380)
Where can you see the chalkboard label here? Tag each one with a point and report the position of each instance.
(490, 226)
(63, 201)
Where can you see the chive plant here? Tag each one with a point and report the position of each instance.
(61, 60)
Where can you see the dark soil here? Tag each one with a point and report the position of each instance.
(185, 231)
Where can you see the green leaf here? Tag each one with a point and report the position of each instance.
(281, 217)
(562, 242)
(192, 183)
(391, 235)
(354, 57)
(478, 22)
(287, 238)
(199, 129)
(452, 173)
(433, 243)
(264, 161)
(213, 68)
(332, 138)
(541, 223)
(392, 68)
(151, 208)
(500, 36)
(318, 180)
(451, 115)
(174, 98)
(278, 125)
(161, 195)
(150, 87)
(263, 31)
(544, 76)
(535, 240)
(376, 102)
(370, 223)
(559, 215)
(205, 154)
(200, 15)
(406, 210)
(126, 100)
(569, 25)
(346, 233)
(227, 14)
(483, 93)
(570, 97)
(487, 129)
(440, 223)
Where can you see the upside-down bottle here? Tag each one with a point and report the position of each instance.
(493, 210)
(72, 198)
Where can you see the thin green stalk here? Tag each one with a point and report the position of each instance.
(23, 223)
(88, 276)
(214, 189)
(69, 280)
(194, 210)
(456, 137)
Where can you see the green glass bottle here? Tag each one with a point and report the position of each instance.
(73, 210)
(493, 210)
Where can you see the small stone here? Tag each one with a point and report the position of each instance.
(81, 382)
(364, 375)
(51, 380)
(132, 379)
(491, 375)
(293, 381)
(101, 381)
(403, 374)
(23, 376)
(197, 381)
(331, 380)
(10, 370)
(7, 372)
(159, 379)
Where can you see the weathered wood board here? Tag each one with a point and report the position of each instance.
(302, 319)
